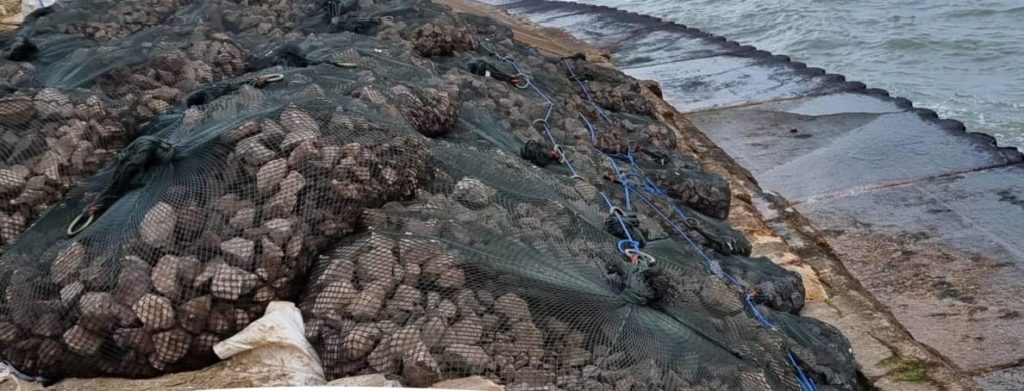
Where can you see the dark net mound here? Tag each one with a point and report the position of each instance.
(440, 201)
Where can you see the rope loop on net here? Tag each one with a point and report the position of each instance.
(77, 225)
(262, 81)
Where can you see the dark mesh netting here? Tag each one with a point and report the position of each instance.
(440, 201)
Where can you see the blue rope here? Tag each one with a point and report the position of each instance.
(806, 383)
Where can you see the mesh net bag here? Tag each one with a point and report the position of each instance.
(439, 200)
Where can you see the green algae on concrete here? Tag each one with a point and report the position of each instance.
(907, 369)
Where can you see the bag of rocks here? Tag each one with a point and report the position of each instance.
(195, 226)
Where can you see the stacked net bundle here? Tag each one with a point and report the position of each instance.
(440, 201)
(194, 226)
(50, 142)
(510, 277)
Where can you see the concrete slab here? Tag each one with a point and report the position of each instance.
(826, 145)
(731, 80)
(946, 256)
(1009, 379)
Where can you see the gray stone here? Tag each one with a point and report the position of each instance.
(512, 307)
(231, 282)
(270, 175)
(67, 263)
(369, 301)
(158, 225)
(193, 315)
(155, 312)
(473, 193)
(170, 346)
(472, 359)
(82, 341)
(334, 298)
(374, 380)
(241, 250)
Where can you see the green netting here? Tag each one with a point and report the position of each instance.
(167, 169)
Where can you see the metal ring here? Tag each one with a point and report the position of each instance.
(541, 120)
(72, 231)
(344, 64)
(692, 223)
(524, 85)
(271, 78)
(576, 177)
(648, 258)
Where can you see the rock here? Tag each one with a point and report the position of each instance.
(527, 335)
(471, 359)
(374, 380)
(135, 339)
(464, 332)
(67, 263)
(406, 298)
(193, 315)
(230, 283)
(377, 264)
(512, 307)
(369, 302)
(473, 193)
(447, 309)
(270, 175)
(14, 112)
(254, 152)
(243, 219)
(69, 294)
(444, 272)
(133, 281)
(11, 181)
(419, 369)
(169, 347)
(467, 303)
(360, 341)
(300, 127)
(100, 312)
(82, 341)
(9, 333)
(155, 312)
(48, 325)
(433, 331)
(239, 250)
(280, 230)
(158, 225)
(469, 383)
(171, 271)
(334, 298)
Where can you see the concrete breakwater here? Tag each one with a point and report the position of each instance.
(913, 210)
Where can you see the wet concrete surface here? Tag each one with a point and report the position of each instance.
(929, 218)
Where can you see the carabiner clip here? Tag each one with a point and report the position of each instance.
(75, 229)
(616, 211)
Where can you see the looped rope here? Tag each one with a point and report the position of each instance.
(264, 80)
(128, 167)
(75, 228)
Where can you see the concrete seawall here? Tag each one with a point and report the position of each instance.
(917, 216)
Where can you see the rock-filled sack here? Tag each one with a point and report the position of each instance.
(438, 200)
